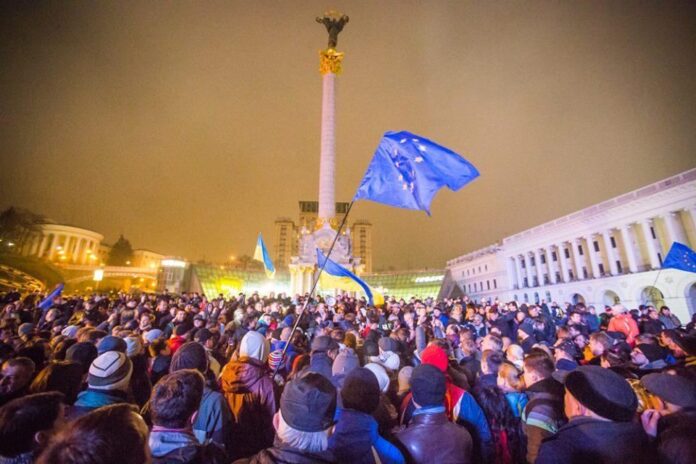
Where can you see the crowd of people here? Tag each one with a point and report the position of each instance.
(164, 378)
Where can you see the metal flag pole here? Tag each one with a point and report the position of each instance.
(315, 282)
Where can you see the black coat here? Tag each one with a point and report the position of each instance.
(586, 440)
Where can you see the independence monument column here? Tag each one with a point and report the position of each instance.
(330, 65)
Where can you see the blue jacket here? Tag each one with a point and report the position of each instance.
(90, 399)
(354, 437)
(517, 401)
(321, 364)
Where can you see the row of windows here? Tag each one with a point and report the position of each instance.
(478, 286)
(472, 271)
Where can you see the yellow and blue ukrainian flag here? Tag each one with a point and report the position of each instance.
(261, 254)
(338, 277)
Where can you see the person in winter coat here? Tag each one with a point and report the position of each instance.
(107, 383)
(356, 438)
(624, 323)
(510, 382)
(543, 413)
(214, 419)
(175, 399)
(431, 437)
(303, 424)
(600, 405)
(324, 351)
(250, 394)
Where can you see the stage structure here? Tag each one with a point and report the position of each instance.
(303, 267)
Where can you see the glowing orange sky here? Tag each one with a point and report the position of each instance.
(190, 126)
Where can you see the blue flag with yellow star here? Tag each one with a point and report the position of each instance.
(680, 257)
(407, 170)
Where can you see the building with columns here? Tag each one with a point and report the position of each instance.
(64, 244)
(610, 252)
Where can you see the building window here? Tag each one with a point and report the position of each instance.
(532, 261)
(526, 298)
(525, 282)
(536, 281)
(618, 267)
(596, 245)
(554, 256)
(580, 250)
(514, 297)
(659, 256)
(571, 275)
(546, 279)
(469, 288)
(601, 269)
(613, 242)
(558, 276)
(652, 232)
(543, 259)
(523, 263)
(479, 268)
(584, 272)
(567, 253)
(488, 285)
(495, 284)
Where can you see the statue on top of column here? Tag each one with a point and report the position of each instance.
(334, 22)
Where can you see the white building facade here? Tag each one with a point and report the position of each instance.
(610, 252)
(64, 244)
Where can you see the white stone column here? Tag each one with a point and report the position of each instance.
(54, 244)
(518, 271)
(691, 216)
(528, 270)
(577, 259)
(76, 251)
(565, 274)
(539, 270)
(42, 246)
(674, 233)
(650, 243)
(327, 166)
(611, 255)
(549, 265)
(629, 248)
(591, 254)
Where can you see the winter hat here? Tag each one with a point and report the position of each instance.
(428, 385)
(152, 335)
(308, 404)
(26, 329)
(345, 362)
(190, 355)
(70, 331)
(134, 346)
(323, 343)
(361, 391)
(254, 345)
(652, 352)
(110, 371)
(673, 389)
(83, 353)
(390, 360)
(435, 356)
(275, 359)
(618, 309)
(405, 379)
(111, 343)
(381, 375)
(388, 344)
(603, 391)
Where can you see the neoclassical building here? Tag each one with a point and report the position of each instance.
(607, 253)
(64, 244)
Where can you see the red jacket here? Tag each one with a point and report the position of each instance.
(625, 324)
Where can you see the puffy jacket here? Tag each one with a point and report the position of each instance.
(356, 435)
(250, 393)
(213, 419)
(625, 324)
(432, 438)
(183, 448)
(89, 400)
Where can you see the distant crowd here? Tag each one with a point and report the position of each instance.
(164, 378)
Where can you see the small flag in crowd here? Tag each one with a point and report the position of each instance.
(680, 257)
(407, 170)
(261, 254)
(337, 276)
(48, 301)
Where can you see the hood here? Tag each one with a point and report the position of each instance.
(254, 345)
(98, 398)
(353, 436)
(240, 376)
(163, 443)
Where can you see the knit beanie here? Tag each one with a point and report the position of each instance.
(404, 379)
(70, 331)
(435, 356)
(110, 371)
(111, 343)
(345, 362)
(428, 385)
(390, 361)
(254, 345)
(361, 391)
(134, 346)
(190, 355)
(603, 391)
(152, 335)
(381, 374)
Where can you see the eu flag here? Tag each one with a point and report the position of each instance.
(341, 277)
(680, 257)
(407, 170)
(48, 301)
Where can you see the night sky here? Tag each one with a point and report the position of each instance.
(191, 126)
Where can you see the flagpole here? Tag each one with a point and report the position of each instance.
(315, 282)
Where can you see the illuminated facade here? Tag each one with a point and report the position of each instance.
(64, 244)
(607, 253)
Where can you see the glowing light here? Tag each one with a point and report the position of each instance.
(127, 263)
(421, 280)
(98, 275)
(173, 263)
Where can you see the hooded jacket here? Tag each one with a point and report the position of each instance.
(356, 435)
(250, 394)
(170, 447)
